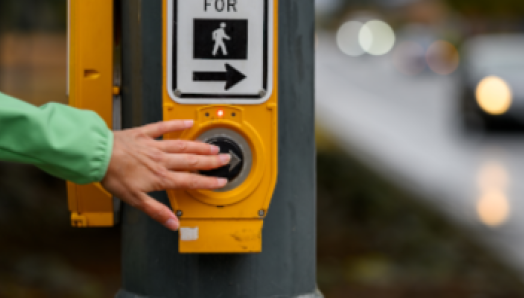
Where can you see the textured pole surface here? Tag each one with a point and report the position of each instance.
(152, 266)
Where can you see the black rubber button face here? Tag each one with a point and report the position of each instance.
(234, 168)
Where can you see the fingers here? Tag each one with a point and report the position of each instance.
(190, 147)
(159, 212)
(194, 181)
(189, 162)
(159, 129)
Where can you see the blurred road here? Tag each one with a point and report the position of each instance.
(406, 129)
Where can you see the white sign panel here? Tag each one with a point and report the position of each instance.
(220, 51)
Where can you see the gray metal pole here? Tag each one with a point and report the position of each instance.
(152, 266)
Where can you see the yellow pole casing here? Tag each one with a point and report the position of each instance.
(228, 221)
(91, 31)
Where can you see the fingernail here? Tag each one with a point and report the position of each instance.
(222, 182)
(172, 224)
(189, 123)
(215, 149)
(225, 158)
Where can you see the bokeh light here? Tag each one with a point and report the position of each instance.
(493, 208)
(408, 58)
(365, 38)
(377, 37)
(493, 176)
(348, 38)
(442, 57)
(494, 95)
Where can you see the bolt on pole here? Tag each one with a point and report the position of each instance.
(152, 267)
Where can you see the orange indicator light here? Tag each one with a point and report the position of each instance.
(220, 113)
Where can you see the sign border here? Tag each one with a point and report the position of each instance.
(195, 98)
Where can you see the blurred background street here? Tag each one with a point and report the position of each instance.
(420, 133)
(427, 95)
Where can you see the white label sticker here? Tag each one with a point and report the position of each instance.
(220, 51)
(189, 234)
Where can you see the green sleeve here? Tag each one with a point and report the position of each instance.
(72, 144)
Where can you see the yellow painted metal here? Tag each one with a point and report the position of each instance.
(220, 214)
(222, 236)
(92, 220)
(91, 88)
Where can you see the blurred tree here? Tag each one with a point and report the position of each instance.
(40, 15)
(488, 8)
(480, 8)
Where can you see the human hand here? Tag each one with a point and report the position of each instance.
(140, 164)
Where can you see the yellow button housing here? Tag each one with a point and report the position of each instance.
(230, 221)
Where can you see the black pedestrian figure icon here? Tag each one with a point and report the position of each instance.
(220, 39)
(220, 36)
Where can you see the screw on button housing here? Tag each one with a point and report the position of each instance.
(179, 213)
(261, 213)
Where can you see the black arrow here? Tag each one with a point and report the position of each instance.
(231, 76)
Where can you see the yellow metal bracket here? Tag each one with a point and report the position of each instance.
(91, 45)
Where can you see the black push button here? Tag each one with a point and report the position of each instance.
(234, 168)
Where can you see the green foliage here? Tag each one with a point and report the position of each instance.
(33, 15)
(488, 8)
(375, 240)
(479, 8)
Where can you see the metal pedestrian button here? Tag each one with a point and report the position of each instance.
(233, 169)
(233, 143)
